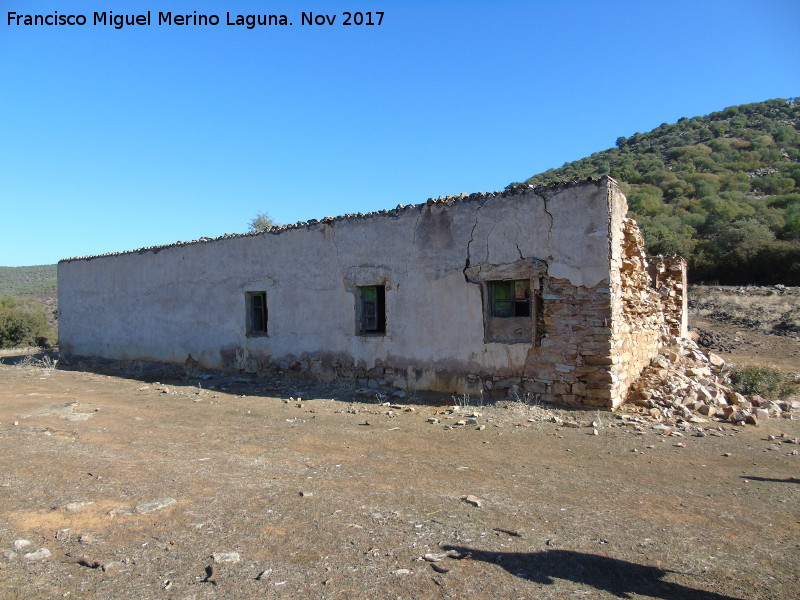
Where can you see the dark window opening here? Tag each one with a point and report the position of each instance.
(256, 312)
(373, 309)
(510, 298)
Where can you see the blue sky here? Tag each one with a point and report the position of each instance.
(113, 139)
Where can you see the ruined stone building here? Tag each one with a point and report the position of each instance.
(535, 291)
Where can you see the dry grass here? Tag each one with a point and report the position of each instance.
(764, 309)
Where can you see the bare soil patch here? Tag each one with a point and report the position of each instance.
(749, 325)
(324, 494)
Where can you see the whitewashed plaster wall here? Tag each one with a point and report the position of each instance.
(168, 302)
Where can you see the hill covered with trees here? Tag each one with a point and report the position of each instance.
(27, 281)
(722, 190)
(28, 305)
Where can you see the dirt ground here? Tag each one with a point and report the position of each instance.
(328, 498)
(137, 479)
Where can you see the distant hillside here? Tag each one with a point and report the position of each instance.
(28, 281)
(32, 287)
(722, 190)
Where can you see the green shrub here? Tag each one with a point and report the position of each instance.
(23, 325)
(764, 381)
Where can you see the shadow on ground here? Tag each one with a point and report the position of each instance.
(618, 577)
(30, 356)
(285, 386)
(772, 479)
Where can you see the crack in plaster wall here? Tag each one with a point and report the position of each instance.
(469, 243)
(549, 227)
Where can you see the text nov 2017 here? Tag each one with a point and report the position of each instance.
(348, 18)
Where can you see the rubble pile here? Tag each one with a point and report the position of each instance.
(712, 340)
(685, 382)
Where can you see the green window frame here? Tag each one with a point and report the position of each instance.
(510, 298)
(372, 309)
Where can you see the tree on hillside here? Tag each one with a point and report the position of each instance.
(723, 190)
(261, 222)
(22, 325)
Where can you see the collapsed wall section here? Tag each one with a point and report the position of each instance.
(649, 306)
(668, 277)
(601, 337)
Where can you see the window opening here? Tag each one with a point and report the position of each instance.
(256, 312)
(510, 298)
(373, 309)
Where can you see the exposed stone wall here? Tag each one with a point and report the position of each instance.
(571, 365)
(649, 308)
(668, 274)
